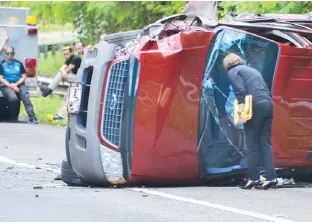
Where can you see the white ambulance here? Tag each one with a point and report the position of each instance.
(23, 36)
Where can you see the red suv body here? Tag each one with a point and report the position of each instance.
(163, 102)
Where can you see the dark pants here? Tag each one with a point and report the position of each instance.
(14, 99)
(258, 139)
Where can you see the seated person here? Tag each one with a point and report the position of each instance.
(67, 73)
(80, 48)
(12, 78)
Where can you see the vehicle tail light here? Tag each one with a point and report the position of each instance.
(112, 165)
(30, 66)
(32, 31)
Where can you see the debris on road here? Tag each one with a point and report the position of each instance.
(37, 187)
(37, 195)
(52, 164)
(58, 177)
(10, 168)
(281, 216)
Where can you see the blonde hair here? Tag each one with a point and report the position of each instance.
(231, 60)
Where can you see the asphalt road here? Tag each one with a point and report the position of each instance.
(30, 158)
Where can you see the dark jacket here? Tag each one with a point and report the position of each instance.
(246, 80)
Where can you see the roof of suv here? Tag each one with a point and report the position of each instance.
(302, 21)
(283, 17)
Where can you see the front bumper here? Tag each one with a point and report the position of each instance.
(86, 152)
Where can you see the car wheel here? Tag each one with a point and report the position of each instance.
(69, 176)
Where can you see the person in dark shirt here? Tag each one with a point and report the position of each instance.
(67, 73)
(12, 78)
(248, 81)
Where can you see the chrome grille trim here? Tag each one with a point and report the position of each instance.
(114, 100)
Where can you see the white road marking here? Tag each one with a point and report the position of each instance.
(27, 165)
(211, 205)
(54, 185)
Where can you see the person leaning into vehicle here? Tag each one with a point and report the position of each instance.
(67, 73)
(12, 78)
(248, 81)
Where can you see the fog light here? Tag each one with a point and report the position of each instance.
(115, 180)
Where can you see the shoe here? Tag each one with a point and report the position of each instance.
(267, 184)
(250, 184)
(46, 91)
(57, 117)
(33, 121)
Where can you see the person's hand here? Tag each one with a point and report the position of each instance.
(242, 119)
(6, 39)
(64, 76)
(14, 87)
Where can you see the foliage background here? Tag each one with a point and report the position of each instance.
(91, 19)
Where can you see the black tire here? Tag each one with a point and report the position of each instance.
(2, 108)
(69, 176)
(122, 38)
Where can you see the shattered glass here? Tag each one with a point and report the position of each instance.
(221, 144)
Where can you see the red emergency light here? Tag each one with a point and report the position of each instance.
(30, 66)
(32, 30)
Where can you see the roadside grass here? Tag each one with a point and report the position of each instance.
(45, 108)
(50, 65)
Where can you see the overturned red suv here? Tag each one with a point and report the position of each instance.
(150, 105)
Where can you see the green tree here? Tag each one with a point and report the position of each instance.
(91, 19)
(266, 7)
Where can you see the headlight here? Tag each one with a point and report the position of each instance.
(112, 165)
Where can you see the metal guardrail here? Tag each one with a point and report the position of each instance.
(60, 90)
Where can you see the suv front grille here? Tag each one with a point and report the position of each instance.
(114, 100)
